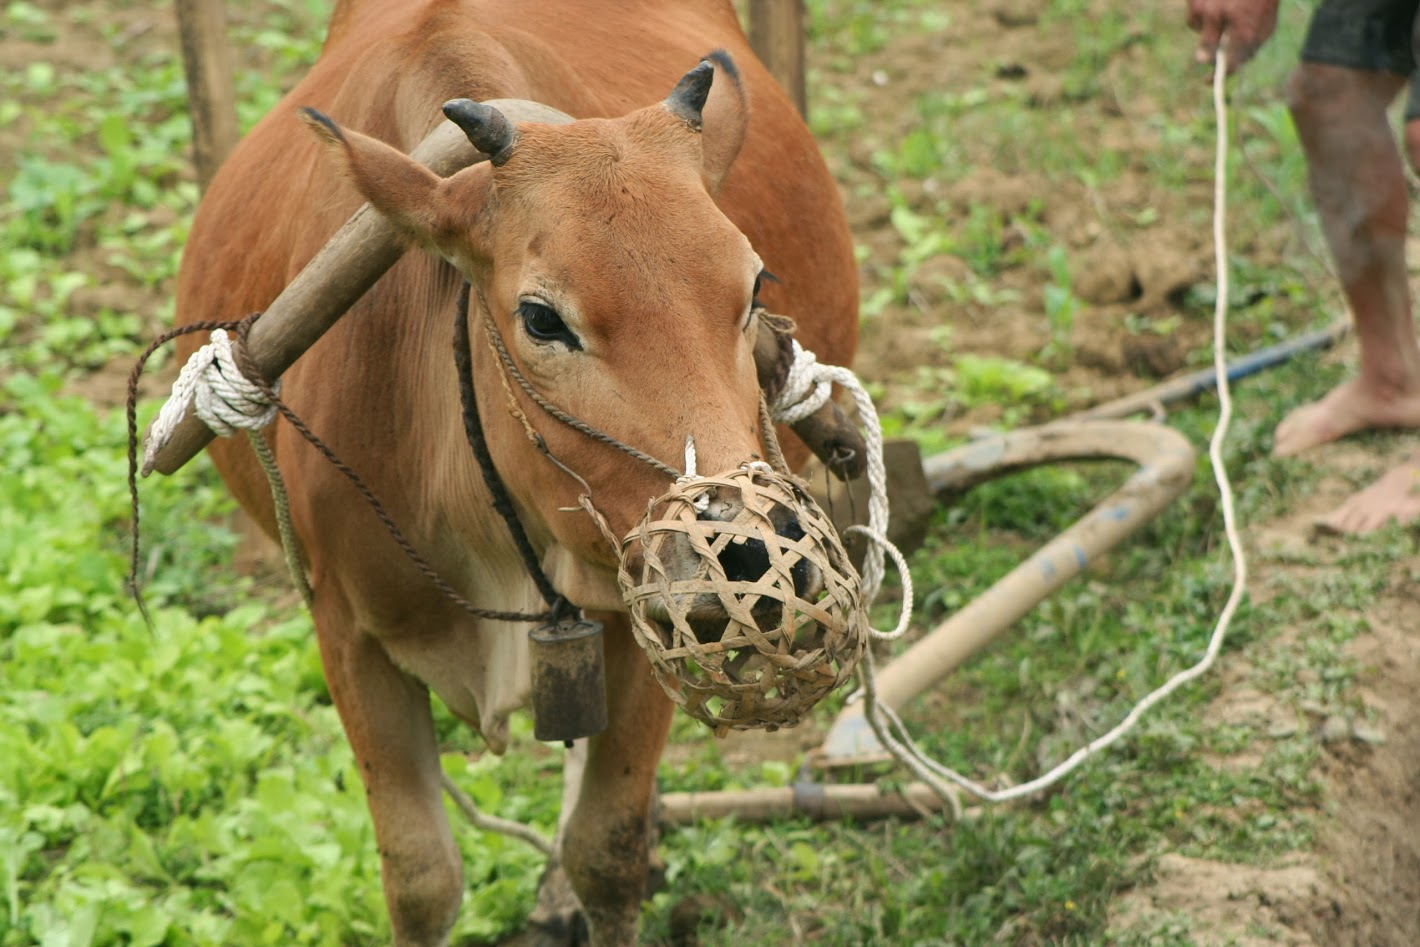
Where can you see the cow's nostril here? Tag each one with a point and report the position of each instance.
(744, 561)
(748, 560)
(801, 570)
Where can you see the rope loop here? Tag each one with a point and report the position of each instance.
(886, 724)
(806, 388)
(224, 398)
(883, 544)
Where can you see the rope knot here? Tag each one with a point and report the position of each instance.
(807, 387)
(221, 395)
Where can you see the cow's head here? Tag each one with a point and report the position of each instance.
(620, 289)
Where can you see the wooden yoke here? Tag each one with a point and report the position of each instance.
(345, 268)
(362, 250)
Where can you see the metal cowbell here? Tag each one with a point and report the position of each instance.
(568, 680)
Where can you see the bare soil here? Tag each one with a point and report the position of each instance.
(1002, 50)
(1357, 885)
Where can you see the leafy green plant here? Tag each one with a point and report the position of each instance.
(49, 201)
(1061, 306)
(987, 378)
(29, 22)
(982, 239)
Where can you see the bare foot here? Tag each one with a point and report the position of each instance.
(1395, 496)
(1349, 407)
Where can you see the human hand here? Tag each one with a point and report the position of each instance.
(1246, 23)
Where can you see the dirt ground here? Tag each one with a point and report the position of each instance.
(999, 49)
(1360, 884)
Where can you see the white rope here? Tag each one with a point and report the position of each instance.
(804, 391)
(886, 724)
(219, 393)
(492, 823)
(690, 472)
(807, 389)
(882, 544)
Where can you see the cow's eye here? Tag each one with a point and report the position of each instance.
(545, 325)
(762, 277)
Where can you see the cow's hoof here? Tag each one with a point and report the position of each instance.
(691, 916)
(555, 932)
(558, 919)
(569, 931)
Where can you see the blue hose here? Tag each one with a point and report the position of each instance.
(1196, 383)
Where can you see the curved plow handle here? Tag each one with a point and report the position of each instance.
(1166, 462)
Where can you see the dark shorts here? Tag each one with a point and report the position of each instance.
(1375, 35)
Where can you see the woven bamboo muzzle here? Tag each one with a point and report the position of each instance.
(743, 651)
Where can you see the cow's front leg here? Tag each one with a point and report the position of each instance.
(605, 847)
(390, 727)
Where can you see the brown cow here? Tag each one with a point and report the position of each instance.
(618, 256)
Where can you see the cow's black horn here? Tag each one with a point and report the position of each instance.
(487, 128)
(688, 97)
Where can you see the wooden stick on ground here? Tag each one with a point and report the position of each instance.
(815, 800)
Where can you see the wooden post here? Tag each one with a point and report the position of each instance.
(776, 31)
(207, 63)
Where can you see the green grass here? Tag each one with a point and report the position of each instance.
(189, 783)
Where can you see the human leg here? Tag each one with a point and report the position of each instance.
(1384, 392)
(1358, 184)
(1396, 495)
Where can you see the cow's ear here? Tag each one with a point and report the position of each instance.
(425, 207)
(726, 119)
(711, 99)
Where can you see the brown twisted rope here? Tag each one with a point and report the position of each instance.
(244, 363)
(290, 543)
(497, 490)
